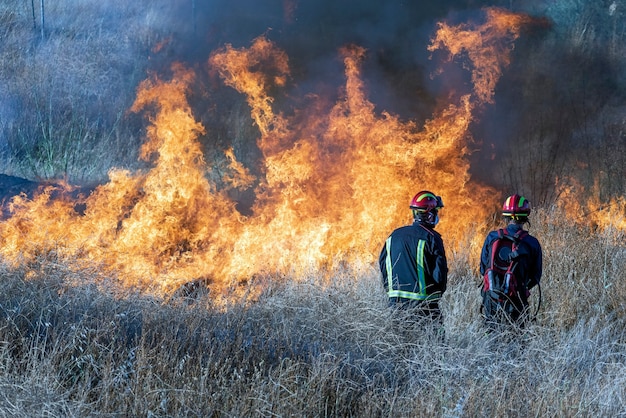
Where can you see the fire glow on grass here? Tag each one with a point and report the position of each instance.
(605, 215)
(334, 185)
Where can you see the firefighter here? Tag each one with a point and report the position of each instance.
(528, 259)
(413, 260)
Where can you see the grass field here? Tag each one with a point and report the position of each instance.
(74, 342)
(74, 348)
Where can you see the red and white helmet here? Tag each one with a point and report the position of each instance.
(516, 207)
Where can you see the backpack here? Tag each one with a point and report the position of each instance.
(503, 291)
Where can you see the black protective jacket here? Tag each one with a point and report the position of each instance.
(413, 264)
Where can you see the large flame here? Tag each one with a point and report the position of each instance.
(333, 185)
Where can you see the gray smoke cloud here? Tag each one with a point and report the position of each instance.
(561, 76)
(394, 33)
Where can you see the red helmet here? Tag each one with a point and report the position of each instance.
(426, 201)
(516, 207)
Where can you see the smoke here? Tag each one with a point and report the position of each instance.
(395, 35)
(399, 71)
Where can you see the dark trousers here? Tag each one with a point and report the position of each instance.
(422, 308)
(498, 310)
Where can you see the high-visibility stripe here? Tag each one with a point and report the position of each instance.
(389, 266)
(419, 260)
(413, 296)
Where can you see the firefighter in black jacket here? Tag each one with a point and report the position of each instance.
(413, 260)
(529, 263)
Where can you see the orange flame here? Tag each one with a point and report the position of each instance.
(488, 46)
(333, 185)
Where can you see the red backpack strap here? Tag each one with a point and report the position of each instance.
(521, 234)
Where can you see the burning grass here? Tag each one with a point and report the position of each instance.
(74, 348)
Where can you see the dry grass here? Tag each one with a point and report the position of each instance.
(303, 349)
(65, 97)
(70, 347)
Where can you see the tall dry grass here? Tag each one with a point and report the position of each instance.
(66, 89)
(73, 346)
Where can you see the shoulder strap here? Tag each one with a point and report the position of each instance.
(517, 239)
(520, 234)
